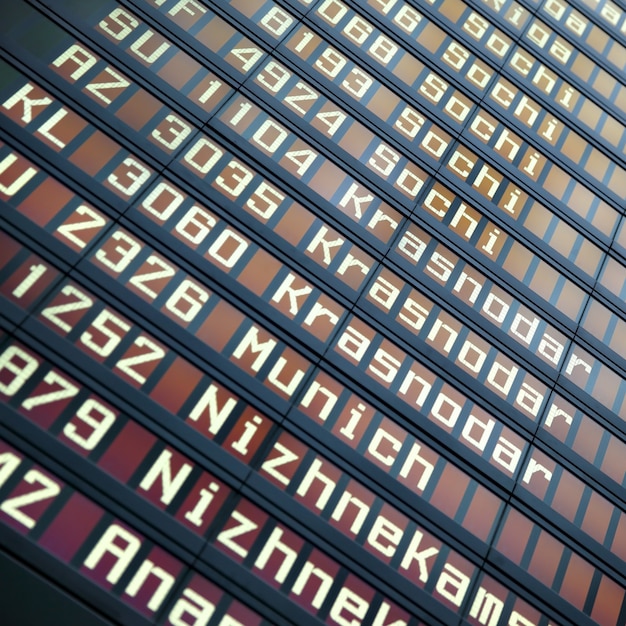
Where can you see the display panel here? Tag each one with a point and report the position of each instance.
(312, 310)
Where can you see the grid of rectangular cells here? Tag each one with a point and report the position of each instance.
(557, 234)
(83, 534)
(183, 301)
(213, 249)
(453, 57)
(433, 142)
(589, 368)
(90, 224)
(476, 31)
(145, 284)
(27, 385)
(586, 31)
(21, 366)
(116, 557)
(117, 14)
(609, 15)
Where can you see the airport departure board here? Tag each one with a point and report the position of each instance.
(313, 311)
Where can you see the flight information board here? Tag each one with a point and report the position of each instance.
(313, 311)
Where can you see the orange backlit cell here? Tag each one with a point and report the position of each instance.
(45, 201)
(613, 463)
(327, 179)
(598, 320)
(546, 558)
(567, 496)
(407, 69)
(608, 327)
(295, 223)
(612, 131)
(608, 602)
(609, 389)
(617, 55)
(617, 182)
(128, 450)
(482, 514)
(605, 217)
(613, 277)
(139, 109)
(175, 386)
(573, 148)
(589, 113)
(514, 536)
(94, 153)
(450, 491)
(582, 67)
(571, 298)
(577, 581)
(588, 439)
(259, 272)
(518, 261)
(355, 141)
(383, 103)
(605, 84)
(598, 39)
(431, 37)
(452, 9)
(247, 7)
(179, 70)
(598, 164)
(557, 182)
(564, 238)
(588, 258)
(215, 35)
(618, 547)
(598, 516)
(538, 219)
(220, 325)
